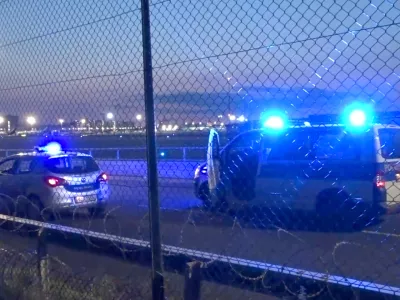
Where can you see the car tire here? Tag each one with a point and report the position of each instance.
(35, 210)
(97, 211)
(335, 209)
(208, 205)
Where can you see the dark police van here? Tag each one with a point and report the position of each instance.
(322, 168)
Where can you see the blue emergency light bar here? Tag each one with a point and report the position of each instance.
(52, 148)
(355, 117)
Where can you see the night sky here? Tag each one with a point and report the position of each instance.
(74, 59)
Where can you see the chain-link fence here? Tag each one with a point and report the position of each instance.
(219, 150)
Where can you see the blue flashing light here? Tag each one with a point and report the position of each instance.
(358, 116)
(274, 120)
(52, 148)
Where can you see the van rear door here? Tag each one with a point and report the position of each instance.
(388, 176)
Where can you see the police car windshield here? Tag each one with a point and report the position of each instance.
(71, 165)
(390, 142)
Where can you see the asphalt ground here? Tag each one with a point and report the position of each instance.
(110, 141)
(369, 253)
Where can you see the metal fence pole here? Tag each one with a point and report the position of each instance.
(192, 287)
(42, 260)
(154, 205)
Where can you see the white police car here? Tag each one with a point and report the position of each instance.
(51, 180)
(308, 166)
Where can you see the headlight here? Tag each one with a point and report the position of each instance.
(197, 172)
(203, 170)
(200, 170)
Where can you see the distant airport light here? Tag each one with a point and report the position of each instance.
(110, 116)
(61, 121)
(139, 117)
(31, 120)
(232, 117)
(241, 118)
(83, 121)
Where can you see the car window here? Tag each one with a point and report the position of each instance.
(248, 143)
(72, 165)
(7, 166)
(294, 145)
(390, 142)
(338, 146)
(242, 155)
(25, 165)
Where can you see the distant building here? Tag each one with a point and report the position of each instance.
(11, 123)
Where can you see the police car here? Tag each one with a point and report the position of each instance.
(323, 164)
(49, 180)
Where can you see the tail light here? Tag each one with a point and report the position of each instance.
(52, 181)
(380, 180)
(102, 178)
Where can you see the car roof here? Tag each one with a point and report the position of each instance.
(47, 155)
(321, 126)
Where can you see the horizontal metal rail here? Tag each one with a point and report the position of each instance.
(214, 258)
(162, 151)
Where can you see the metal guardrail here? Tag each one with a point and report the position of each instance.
(186, 153)
(192, 262)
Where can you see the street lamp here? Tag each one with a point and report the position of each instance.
(61, 121)
(139, 117)
(31, 120)
(110, 116)
(83, 121)
(2, 120)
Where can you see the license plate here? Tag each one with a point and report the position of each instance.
(83, 199)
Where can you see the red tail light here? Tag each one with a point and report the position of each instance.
(54, 181)
(380, 180)
(103, 177)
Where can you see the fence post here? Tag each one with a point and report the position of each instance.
(192, 281)
(152, 172)
(184, 153)
(118, 154)
(42, 260)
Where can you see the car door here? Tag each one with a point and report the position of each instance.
(7, 184)
(24, 175)
(284, 166)
(239, 168)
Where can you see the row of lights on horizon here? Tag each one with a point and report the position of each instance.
(32, 121)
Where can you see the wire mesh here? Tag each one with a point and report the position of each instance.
(306, 197)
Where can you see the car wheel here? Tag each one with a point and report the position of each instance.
(211, 206)
(337, 210)
(35, 210)
(96, 211)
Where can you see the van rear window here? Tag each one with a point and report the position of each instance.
(71, 165)
(390, 142)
